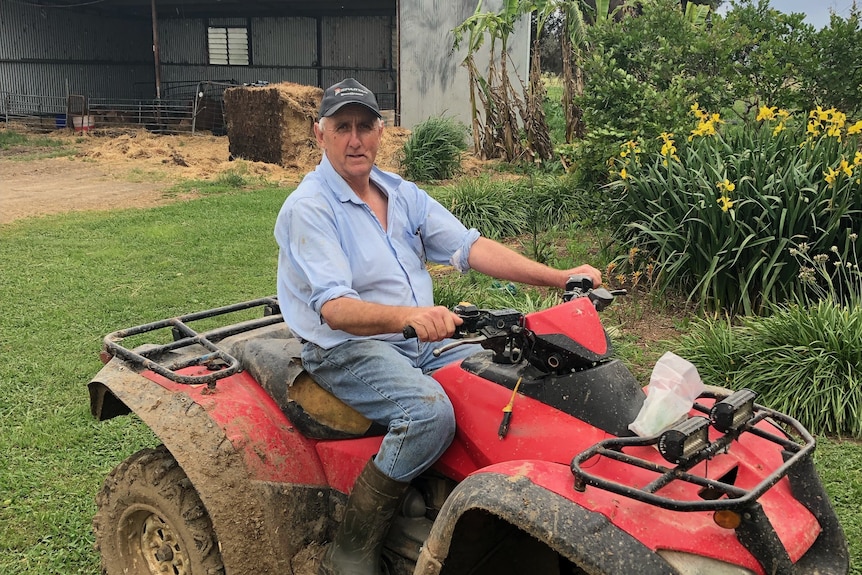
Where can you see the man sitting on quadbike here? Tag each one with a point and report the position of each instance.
(353, 243)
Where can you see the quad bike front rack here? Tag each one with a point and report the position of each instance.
(733, 507)
(722, 494)
(219, 363)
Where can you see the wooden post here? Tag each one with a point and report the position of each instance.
(156, 50)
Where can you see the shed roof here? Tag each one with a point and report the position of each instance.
(217, 8)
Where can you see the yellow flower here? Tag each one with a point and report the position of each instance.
(830, 176)
(766, 113)
(821, 114)
(624, 174)
(698, 113)
(857, 159)
(845, 167)
(725, 203)
(703, 129)
(726, 186)
(778, 129)
(668, 149)
(855, 128)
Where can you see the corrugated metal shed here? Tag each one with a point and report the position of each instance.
(398, 48)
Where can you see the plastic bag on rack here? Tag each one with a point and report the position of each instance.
(673, 387)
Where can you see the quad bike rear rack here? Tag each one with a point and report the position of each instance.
(220, 363)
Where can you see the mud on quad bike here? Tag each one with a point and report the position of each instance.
(543, 475)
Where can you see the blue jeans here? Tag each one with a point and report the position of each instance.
(387, 382)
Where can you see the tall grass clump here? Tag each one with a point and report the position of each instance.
(494, 207)
(501, 208)
(803, 360)
(720, 208)
(433, 150)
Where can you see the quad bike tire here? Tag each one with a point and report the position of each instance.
(150, 520)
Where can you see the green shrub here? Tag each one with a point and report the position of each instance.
(501, 208)
(433, 150)
(802, 360)
(494, 207)
(835, 75)
(721, 209)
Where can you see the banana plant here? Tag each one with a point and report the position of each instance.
(501, 103)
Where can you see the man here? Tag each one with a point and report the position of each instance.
(353, 243)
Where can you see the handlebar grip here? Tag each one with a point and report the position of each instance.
(409, 332)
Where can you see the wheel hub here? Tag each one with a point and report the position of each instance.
(161, 549)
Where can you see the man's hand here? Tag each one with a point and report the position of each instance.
(588, 270)
(433, 323)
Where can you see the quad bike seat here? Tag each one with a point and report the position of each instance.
(275, 364)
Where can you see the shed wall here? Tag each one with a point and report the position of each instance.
(432, 80)
(55, 52)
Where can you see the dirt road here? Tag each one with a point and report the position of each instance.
(134, 169)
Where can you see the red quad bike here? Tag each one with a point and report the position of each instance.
(543, 476)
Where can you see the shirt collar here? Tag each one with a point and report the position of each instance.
(385, 181)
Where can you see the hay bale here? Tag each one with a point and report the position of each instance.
(272, 123)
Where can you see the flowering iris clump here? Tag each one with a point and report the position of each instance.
(773, 114)
(718, 210)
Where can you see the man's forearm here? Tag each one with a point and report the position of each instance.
(496, 260)
(357, 317)
(363, 318)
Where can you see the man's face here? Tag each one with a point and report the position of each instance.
(350, 138)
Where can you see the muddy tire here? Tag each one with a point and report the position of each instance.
(150, 520)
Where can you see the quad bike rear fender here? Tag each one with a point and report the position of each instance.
(260, 524)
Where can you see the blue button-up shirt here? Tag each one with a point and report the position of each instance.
(331, 245)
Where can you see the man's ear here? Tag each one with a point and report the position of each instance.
(318, 134)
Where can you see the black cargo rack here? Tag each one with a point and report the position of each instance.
(218, 361)
(737, 499)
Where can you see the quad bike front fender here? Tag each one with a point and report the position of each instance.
(586, 538)
(247, 515)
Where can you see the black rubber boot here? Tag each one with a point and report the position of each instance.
(356, 548)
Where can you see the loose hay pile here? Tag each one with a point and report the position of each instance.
(272, 123)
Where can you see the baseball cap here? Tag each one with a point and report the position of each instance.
(348, 91)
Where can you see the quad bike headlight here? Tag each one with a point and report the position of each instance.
(684, 440)
(734, 411)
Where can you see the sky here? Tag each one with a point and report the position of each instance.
(816, 11)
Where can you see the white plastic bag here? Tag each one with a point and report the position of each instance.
(673, 387)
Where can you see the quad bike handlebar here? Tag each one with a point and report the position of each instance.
(492, 328)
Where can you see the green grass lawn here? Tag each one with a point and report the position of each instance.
(66, 281)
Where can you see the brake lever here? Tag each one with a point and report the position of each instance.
(453, 344)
